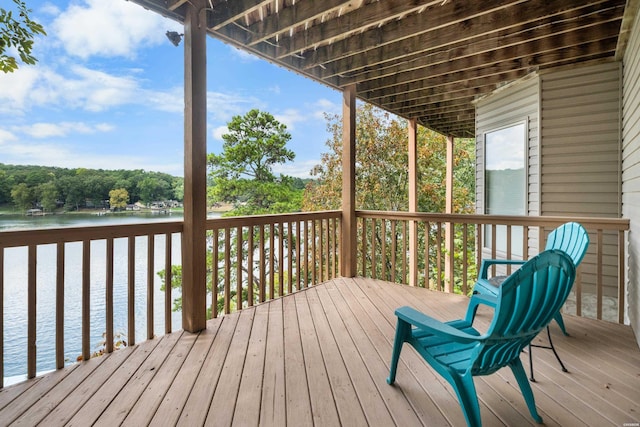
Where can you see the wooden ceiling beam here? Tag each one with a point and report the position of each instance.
(526, 54)
(227, 12)
(497, 68)
(290, 18)
(370, 15)
(563, 24)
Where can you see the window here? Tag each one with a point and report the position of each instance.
(506, 181)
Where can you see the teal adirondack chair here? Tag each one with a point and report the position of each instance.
(571, 238)
(525, 304)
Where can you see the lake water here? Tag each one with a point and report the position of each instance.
(15, 290)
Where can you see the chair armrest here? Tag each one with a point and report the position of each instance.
(436, 327)
(489, 300)
(486, 263)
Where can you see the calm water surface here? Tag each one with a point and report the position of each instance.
(15, 290)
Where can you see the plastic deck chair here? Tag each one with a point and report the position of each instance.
(525, 304)
(571, 238)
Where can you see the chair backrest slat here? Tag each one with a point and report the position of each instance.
(571, 238)
(527, 301)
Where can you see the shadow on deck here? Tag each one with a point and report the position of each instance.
(320, 357)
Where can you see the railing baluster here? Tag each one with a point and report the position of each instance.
(394, 250)
(298, 255)
(306, 254)
(405, 241)
(508, 248)
(281, 258)
(214, 273)
(272, 264)
(150, 277)
(31, 311)
(108, 295)
(364, 247)
(439, 255)
(168, 274)
(314, 252)
(131, 286)
(239, 253)
(289, 257)
(86, 299)
(427, 228)
(621, 276)
(383, 249)
(465, 257)
(374, 226)
(227, 270)
(250, 265)
(59, 305)
(261, 251)
(599, 245)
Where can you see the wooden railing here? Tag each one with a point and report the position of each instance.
(96, 248)
(255, 259)
(259, 258)
(444, 251)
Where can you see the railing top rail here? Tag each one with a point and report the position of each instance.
(235, 221)
(621, 224)
(45, 236)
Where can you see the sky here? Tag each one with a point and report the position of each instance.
(107, 93)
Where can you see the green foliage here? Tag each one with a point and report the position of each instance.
(17, 31)
(243, 173)
(118, 198)
(27, 186)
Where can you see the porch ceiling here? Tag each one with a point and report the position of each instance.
(423, 60)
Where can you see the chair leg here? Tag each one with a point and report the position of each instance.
(560, 321)
(525, 388)
(553, 348)
(533, 380)
(403, 330)
(468, 397)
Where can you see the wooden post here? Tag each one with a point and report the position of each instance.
(448, 238)
(413, 204)
(194, 267)
(349, 249)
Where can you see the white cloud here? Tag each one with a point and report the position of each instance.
(323, 106)
(6, 136)
(290, 117)
(219, 131)
(299, 169)
(223, 106)
(244, 56)
(65, 157)
(48, 130)
(108, 28)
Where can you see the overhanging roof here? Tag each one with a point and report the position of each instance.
(423, 60)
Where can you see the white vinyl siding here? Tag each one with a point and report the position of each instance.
(631, 170)
(513, 105)
(581, 163)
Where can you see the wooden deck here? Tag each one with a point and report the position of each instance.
(320, 357)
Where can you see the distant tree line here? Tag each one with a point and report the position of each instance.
(51, 187)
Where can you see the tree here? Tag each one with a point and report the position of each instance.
(22, 196)
(48, 195)
(17, 33)
(243, 172)
(118, 198)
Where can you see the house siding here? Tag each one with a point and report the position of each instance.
(507, 107)
(631, 170)
(581, 163)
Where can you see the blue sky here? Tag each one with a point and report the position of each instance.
(107, 92)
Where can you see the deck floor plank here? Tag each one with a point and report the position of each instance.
(225, 397)
(94, 407)
(197, 404)
(323, 407)
(122, 404)
(247, 410)
(298, 400)
(345, 396)
(91, 384)
(321, 357)
(273, 408)
(151, 398)
(174, 400)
